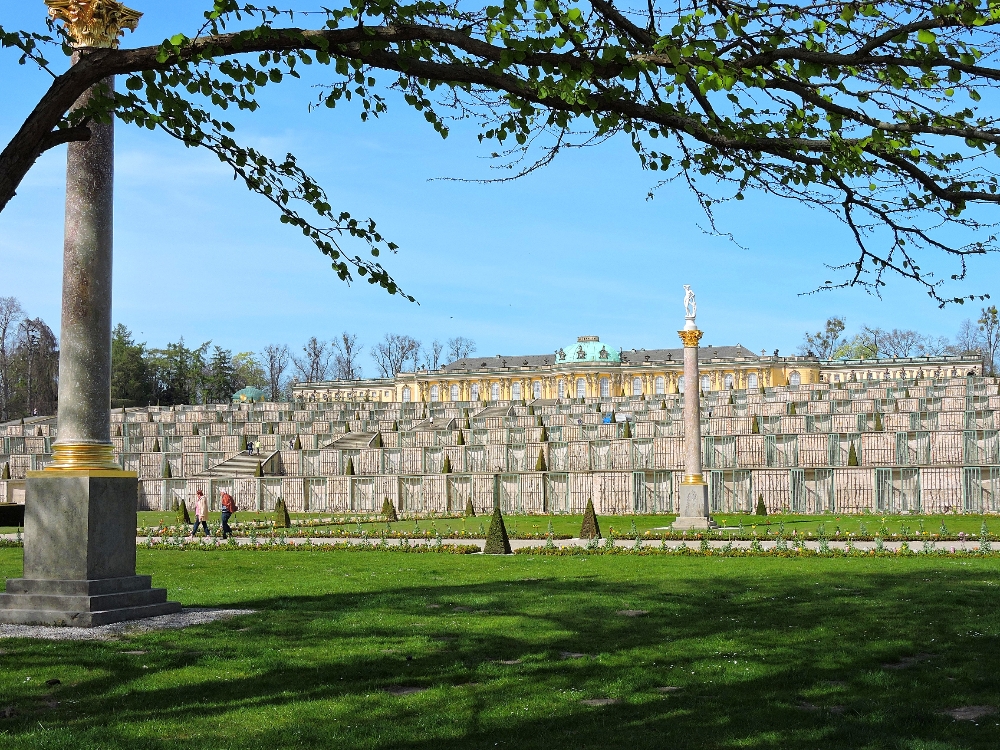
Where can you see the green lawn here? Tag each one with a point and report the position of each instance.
(763, 653)
(570, 524)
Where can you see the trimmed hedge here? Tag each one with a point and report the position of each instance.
(497, 542)
(389, 511)
(590, 529)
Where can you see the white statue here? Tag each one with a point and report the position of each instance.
(690, 306)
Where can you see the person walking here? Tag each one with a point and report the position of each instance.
(228, 508)
(200, 514)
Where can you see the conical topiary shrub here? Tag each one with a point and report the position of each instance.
(38, 432)
(590, 529)
(497, 542)
(791, 408)
(194, 430)
(395, 426)
(243, 443)
(446, 466)
(5, 473)
(259, 471)
(544, 437)
(663, 405)
(852, 456)
(461, 438)
(470, 511)
(732, 401)
(468, 424)
(167, 473)
(878, 422)
(156, 445)
(281, 518)
(218, 417)
(118, 430)
(761, 508)
(349, 469)
(389, 511)
(627, 431)
(540, 463)
(347, 427)
(182, 514)
(298, 444)
(377, 440)
(754, 426)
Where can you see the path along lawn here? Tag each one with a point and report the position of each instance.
(732, 653)
(830, 523)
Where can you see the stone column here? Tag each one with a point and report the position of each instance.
(80, 513)
(692, 512)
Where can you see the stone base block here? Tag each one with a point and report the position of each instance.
(701, 523)
(693, 508)
(79, 554)
(82, 604)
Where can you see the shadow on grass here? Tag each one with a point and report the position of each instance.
(755, 655)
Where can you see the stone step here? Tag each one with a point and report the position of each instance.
(93, 587)
(124, 600)
(83, 619)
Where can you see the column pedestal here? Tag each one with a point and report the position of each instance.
(79, 554)
(692, 511)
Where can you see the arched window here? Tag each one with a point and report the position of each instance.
(475, 391)
(536, 389)
(434, 393)
(581, 388)
(752, 380)
(680, 384)
(406, 394)
(454, 393)
(495, 392)
(660, 385)
(706, 383)
(636, 386)
(794, 378)
(728, 381)
(562, 389)
(515, 392)
(605, 387)
(836, 378)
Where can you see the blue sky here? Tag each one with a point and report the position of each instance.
(520, 267)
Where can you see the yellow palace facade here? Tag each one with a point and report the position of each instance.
(590, 369)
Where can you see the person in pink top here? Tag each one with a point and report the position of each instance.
(200, 513)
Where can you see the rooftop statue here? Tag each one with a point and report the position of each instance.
(690, 306)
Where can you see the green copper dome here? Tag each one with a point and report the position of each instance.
(587, 349)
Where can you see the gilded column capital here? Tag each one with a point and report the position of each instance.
(690, 338)
(94, 23)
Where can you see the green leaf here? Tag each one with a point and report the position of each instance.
(925, 36)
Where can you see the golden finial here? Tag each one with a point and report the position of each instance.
(94, 23)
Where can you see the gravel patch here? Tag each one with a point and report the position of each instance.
(970, 713)
(184, 619)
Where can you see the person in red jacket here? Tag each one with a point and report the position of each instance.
(228, 508)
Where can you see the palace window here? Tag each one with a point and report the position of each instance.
(515, 392)
(475, 391)
(434, 393)
(454, 393)
(605, 387)
(660, 385)
(794, 378)
(706, 383)
(636, 386)
(752, 380)
(581, 388)
(728, 381)
(836, 378)
(536, 389)
(680, 384)
(406, 394)
(495, 391)
(562, 389)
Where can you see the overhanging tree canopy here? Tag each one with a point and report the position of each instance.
(873, 111)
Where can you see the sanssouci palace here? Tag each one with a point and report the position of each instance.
(589, 368)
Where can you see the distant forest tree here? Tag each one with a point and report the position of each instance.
(29, 363)
(976, 338)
